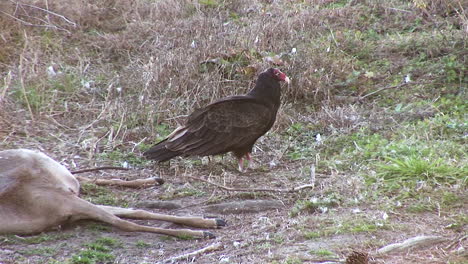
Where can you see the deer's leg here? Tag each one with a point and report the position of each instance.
(82, 209)
(188, 221)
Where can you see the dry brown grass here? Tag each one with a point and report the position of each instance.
(129, 66)
(122, 68)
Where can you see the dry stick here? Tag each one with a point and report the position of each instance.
(118, 182)
(456, 241)
(31, 24)
(294, 189)
(388, 87)
(7, 82)
(381, 89)
(49, 12)
(196, 204)
(212, 247)
(99, 168)
(23, 89)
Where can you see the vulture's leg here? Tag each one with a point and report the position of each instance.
(249, 159)
(240, 161)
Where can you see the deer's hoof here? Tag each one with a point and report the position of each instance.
(159, 181)
(220, 222)
(209, 235)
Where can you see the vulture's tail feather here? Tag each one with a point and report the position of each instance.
(160, 153)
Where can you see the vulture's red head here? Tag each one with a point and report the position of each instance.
(278, 75)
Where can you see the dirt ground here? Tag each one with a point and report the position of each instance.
(257, 236)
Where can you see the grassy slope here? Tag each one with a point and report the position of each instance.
(128, 73)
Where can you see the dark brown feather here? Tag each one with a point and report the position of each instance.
(232, 124)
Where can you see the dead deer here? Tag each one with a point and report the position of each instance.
(38, 193)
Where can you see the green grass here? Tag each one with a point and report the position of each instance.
(313, 205)
(100, 195)
(36, 239)
(131, 159)
(142, 244)
(94, 226)
(408, 171)
(438, 200)
(322, 253)
(181, 192)
(42, 251)
(48, 95)
(98, 251)
(337, 4)
(293, 260)
(352, 225)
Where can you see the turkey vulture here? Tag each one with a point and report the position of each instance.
(231, 124)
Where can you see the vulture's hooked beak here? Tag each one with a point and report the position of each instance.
(287, 80)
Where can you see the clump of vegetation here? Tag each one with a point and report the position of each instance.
(100, 195)
(38, 239)
(348, 225)
(99, 251)
(411, 170)
(314, 205)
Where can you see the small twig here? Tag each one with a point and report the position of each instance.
(33, 25)
(21, 77)
(50, 12)
(118, 182)
(389, 87)
(212, 247)
(7, 82)
(312, 175)
(99, 168)
(397, 9)
(456, 241)
(176, 117)
(382, 89)
(294, 189)
(199, 203)
(333, 37)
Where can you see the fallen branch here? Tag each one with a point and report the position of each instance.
(294, 189)
(6, 85)
(382, 89)
(131, 184)
(212, 247)
(34, 25)
(98, 169)
(48, 12)
(412, 243)
(388, 87)
(456, 241)
(46, 23)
